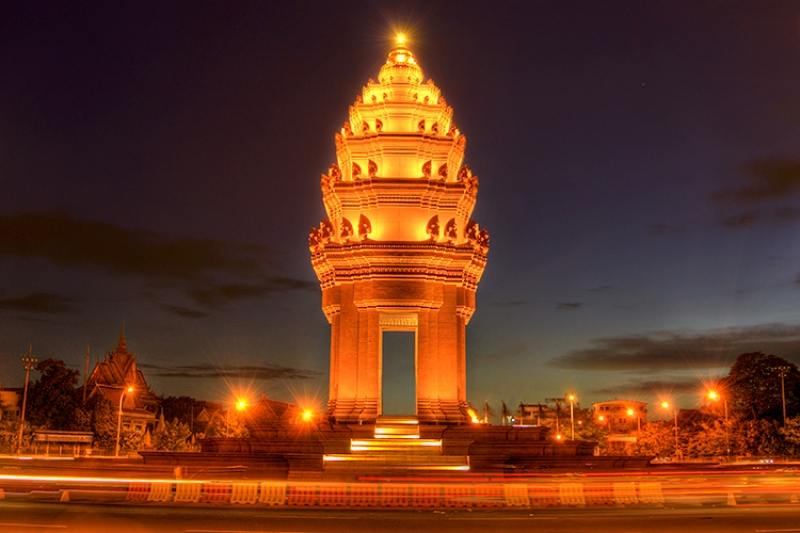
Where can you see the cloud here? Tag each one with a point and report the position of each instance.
(38, 302)
(184, 312)
(568, 306)
(192, 266)
(602, 288)
(212, 296)
(787, 214)
(768, 179)
(504, 353)
(637, 388)
(69, 242)
(259, 372)
(514, 303)
(673, 351)
(742, 220)
(665, 229)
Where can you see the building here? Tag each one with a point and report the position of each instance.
(399, 251)
(536, 414)
(620, 416)
(202, 418)
(113, 377)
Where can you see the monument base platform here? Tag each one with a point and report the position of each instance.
(394, 447)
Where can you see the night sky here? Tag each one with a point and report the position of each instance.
(639, 166)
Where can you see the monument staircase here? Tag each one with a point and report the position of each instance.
(395, 449)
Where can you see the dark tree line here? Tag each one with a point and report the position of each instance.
(754, 426)
(55, 402)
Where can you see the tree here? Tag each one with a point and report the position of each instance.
(655, 438)
(754, 387)
(587, 429)
(710, 440)
(129, 441)
(172, 436)
(103, 421)
(9, 424)
(229, 424)
(791, 436)
(53, 401)
(182, 408)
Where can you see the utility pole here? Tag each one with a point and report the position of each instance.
(783, 370)
(557, 401)
(27, 363)
(85, 374)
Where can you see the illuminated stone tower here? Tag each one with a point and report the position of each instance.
(399, 251)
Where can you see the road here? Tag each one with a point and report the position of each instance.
(27, 517)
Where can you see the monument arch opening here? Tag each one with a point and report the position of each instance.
(398, 363)
(398, 372)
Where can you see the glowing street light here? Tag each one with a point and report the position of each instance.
(241, 405)
(715, 396)
(666, 405)
(631, 412)
(28, 360)
(119, 419)
(571, 399)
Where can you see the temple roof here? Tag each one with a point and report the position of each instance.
(117, 372)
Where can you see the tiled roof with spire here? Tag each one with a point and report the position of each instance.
(118, 371)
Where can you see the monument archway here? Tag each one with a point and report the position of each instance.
(398, 396)
(399, 249)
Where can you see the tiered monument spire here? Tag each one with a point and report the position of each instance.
(399, 250)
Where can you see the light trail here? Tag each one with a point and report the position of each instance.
(42, 526)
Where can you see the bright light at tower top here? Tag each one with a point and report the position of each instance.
(401, 38)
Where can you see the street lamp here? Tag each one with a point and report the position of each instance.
(119, 419)
(783, 370)
(571, 399)
(28, 360)
(240, 406)
(638, 419)
(666, 405)
(715, 396)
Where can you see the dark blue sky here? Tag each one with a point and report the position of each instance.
(639, 166)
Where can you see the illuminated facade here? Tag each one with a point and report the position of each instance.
(399, 251)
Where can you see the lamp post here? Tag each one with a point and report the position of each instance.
(666, 405)
(638, 419)
(571, 399)
(240, 405)
(119, 419)
(715, 396)
(28, 360)
(783, 370)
